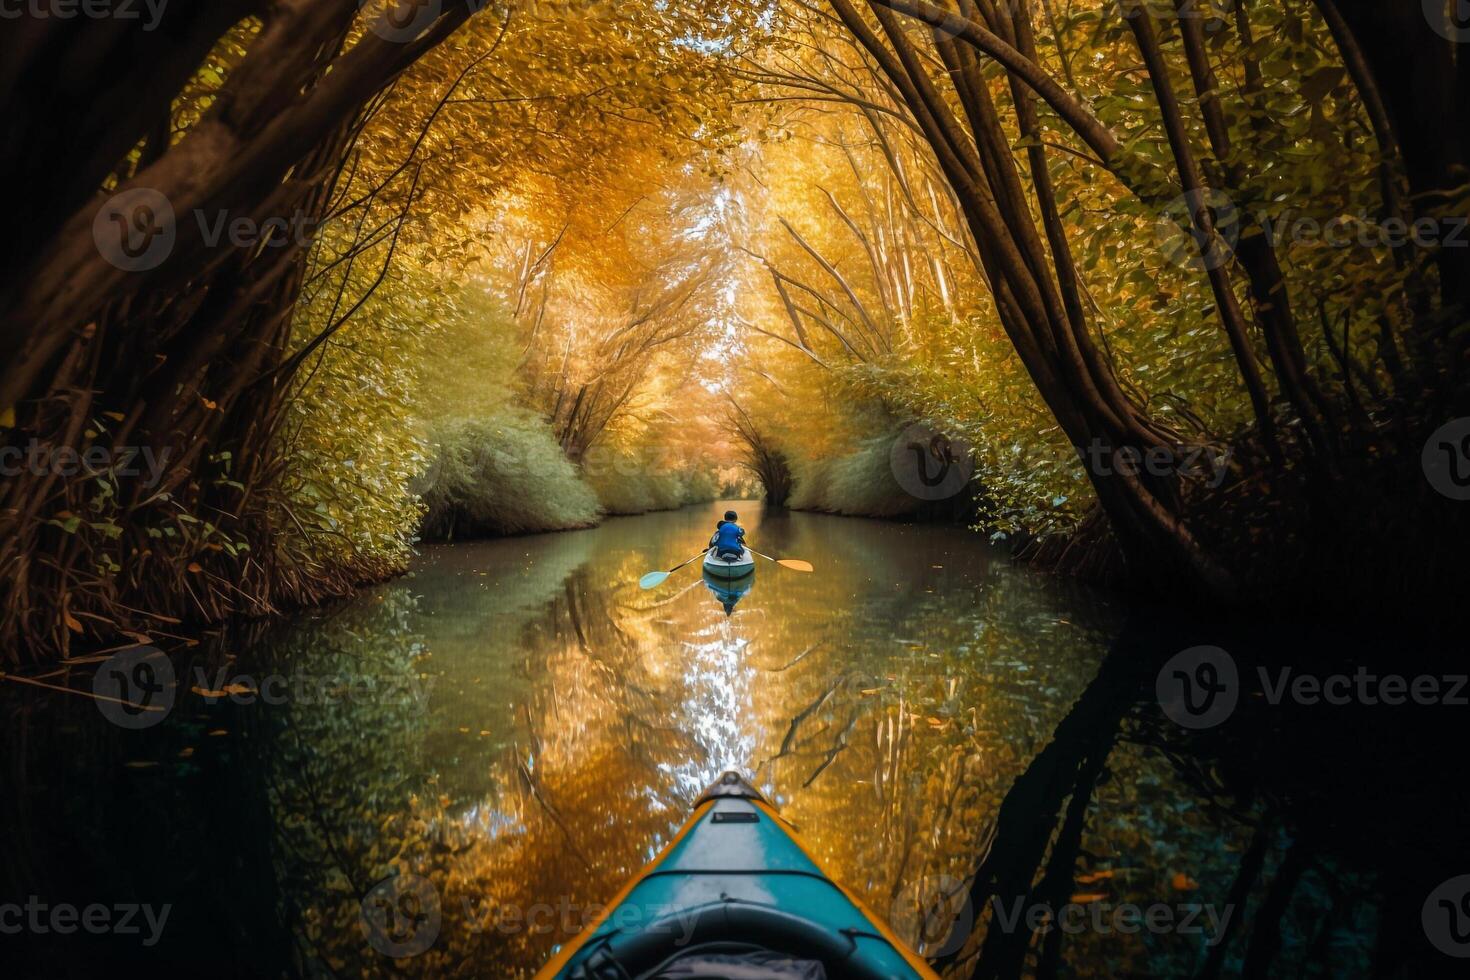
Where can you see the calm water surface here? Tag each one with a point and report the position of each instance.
(520, 725)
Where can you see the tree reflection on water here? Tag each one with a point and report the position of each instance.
(955, 738)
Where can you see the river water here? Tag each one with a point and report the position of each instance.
(521, 726)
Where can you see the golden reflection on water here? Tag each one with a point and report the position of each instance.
(886, 702)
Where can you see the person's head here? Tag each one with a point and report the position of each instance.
(730, 516)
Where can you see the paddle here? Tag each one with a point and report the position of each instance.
(795, 564)
(657, 578)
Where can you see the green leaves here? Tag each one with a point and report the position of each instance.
(69, 524)
(1316, 86)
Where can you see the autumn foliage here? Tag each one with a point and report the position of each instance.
(533, 263)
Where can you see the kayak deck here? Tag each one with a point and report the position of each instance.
(729, 567)
(735, 886)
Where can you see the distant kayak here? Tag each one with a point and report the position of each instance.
(735, 894)
(729, 567)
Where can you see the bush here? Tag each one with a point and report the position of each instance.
(859, 483)
(350, 448)
(628, 482)
(502, 474)
(700, 487)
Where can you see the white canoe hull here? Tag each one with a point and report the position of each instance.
(729, 567)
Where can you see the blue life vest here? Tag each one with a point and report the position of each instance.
(727, 538)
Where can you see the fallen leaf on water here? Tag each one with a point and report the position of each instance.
(223, 692)
(220, 731)
(141, 765)
(1087, 898)
(185, 753)
(1094, 876)
(1183, 882)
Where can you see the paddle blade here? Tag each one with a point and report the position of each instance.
(652, 579)
(795, 564)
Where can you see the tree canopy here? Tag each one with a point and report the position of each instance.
(1185, 283)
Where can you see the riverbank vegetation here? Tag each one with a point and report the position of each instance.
(1126, 232)
(1185, 284)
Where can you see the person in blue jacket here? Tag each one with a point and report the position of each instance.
(729, 537)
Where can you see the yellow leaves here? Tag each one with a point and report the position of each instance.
(228, 690)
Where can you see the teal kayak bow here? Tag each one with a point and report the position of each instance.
(735, 894)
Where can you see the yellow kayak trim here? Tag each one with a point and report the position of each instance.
(921, 967)
(556, 963)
